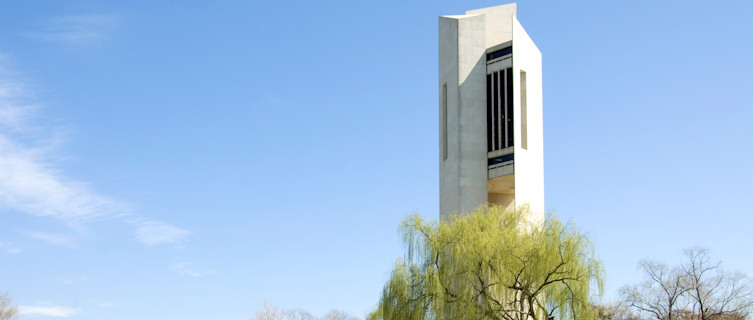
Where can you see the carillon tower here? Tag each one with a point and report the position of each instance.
(491, 145)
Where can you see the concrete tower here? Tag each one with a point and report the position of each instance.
(491, 145)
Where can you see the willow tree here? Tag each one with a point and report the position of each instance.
(491, 264)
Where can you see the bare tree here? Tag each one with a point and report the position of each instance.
(713, 292)
(8, 311)
(273, 312)
(338, 315)
(659, 296)
(614, 311)
(298, 314)
(697, 290)
(270, 312)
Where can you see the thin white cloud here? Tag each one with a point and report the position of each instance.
(14, 113)
(51, 238)
(63, 312)
(152, 233)
(184, 268)
(9, 248)
(31, 183)
(13, 250)
(28, 183)
(73, 280)
(78, 30)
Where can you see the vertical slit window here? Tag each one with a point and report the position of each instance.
(495, 104)
(489, 114)
(444, 121)
(523, 111)
(502, 111)
(510, 114)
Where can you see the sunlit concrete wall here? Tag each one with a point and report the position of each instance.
(529, 162)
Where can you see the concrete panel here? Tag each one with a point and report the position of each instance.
(529, 162)
(462, 67)
(498, 23)
(472, 66)
(506, 200)
(449, 169)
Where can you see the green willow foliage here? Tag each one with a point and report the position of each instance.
(491, 264)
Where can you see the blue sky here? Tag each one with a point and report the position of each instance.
(189, 161)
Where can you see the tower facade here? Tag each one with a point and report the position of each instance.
(491, 146)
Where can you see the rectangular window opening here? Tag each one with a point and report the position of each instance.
(498, 53)
(495, 112)
(444, 121)
(501, 133)
(509, 124)
(523, 111)
(489, 114)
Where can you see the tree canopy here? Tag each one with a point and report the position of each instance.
(698, 289)
(491, 264)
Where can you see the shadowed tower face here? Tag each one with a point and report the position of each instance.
(491, 146)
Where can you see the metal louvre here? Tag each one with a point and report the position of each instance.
(499, 111)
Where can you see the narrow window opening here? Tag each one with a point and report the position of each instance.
(498, 54)
(523, 112)
(509, 108)
(502, 112)
(489, 114)
(444, 121)
(495, 115)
